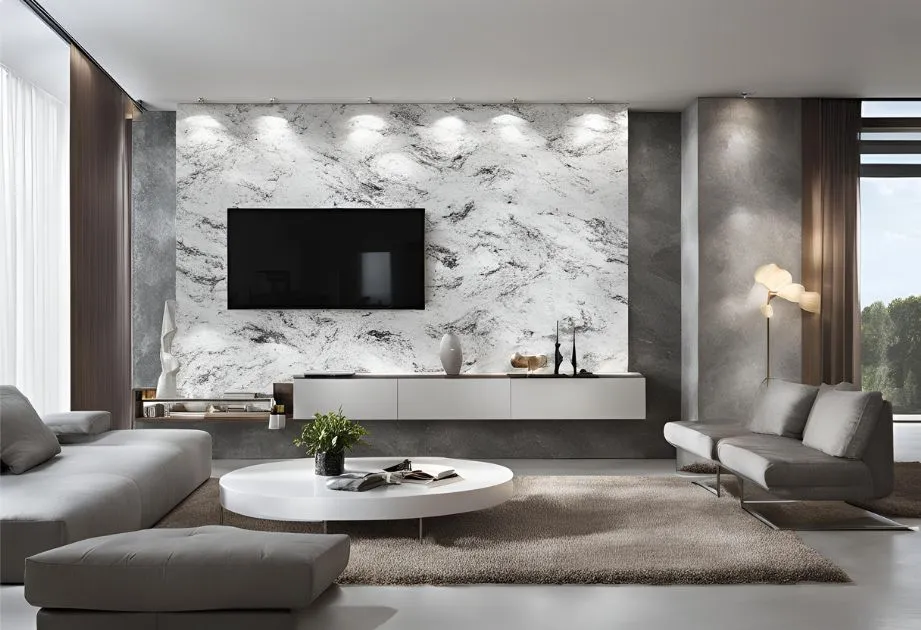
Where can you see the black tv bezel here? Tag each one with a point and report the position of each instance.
(420, 211)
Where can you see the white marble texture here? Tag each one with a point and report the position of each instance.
(526, 223)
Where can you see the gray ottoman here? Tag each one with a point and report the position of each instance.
(220, 577)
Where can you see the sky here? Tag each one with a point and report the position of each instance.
(890, 222)
(890, 239)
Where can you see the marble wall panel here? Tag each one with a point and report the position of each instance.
(526, 223)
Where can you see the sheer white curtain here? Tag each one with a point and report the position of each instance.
(34, 244)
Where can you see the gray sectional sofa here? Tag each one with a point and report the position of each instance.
(802, 443)
(70, 478)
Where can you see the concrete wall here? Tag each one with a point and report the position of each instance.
(153, 237)
(748, 210)
(654, 273)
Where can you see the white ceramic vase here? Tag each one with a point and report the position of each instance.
(452, 357)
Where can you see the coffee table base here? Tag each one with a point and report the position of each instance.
(326, 525)
(421, 529)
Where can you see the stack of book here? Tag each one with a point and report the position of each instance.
(241, 396)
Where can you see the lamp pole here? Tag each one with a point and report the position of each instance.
(768, 312)
(768, 322)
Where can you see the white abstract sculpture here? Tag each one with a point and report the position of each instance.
(166, 384)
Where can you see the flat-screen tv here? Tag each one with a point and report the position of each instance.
(331, 258)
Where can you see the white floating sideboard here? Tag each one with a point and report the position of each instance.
(473, 397)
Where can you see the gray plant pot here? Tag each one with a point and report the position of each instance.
(329, 464)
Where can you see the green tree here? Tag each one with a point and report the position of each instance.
(876, 335)
(904, 354)
(911, 394)
(876, 378)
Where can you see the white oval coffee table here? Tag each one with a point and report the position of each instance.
(290, 491)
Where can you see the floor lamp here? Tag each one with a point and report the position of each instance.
(779, 283)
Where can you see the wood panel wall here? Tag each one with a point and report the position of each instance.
(100, 242)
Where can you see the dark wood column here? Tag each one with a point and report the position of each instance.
(100, 242)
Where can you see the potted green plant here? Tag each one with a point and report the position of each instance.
(327, 438)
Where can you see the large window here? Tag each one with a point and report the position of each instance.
(890, 253)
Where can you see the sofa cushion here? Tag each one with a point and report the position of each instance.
(782, 408)
(114, 482)
(74, 423)
(25, 441)
(841, 422)
(40, 512)
(203, 568)
(700, 438)
(63, 619)
(164, 465)
(844, 386)
(777, 462)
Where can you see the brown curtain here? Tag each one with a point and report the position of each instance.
(831, 187)
(100, 242)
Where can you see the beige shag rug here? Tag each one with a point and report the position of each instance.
(563, 530)
(905, 500)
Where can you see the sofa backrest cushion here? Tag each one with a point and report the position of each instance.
(841, 422)
(782, 408)
(25, 441)
(73, 426)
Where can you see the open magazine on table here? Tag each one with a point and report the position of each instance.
(401, 472)
(430, 475)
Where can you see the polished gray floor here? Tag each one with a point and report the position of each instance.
(885, 595)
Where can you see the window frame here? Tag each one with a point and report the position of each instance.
(890, 147)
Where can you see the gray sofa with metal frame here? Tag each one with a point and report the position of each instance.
(67, 477)
(802, 443)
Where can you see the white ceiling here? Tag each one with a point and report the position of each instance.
(33, 51)
(652, 54)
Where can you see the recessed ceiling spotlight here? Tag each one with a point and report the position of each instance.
(746, 94)
(201, 99)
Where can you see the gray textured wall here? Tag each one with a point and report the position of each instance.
(749, 213)
(654, 273)
(153, 237)
(654, 286)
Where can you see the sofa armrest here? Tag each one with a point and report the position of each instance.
(78, 422)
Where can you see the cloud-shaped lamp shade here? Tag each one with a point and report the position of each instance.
(773, 277)
(792, 292)
(779, 283)
(810, 301)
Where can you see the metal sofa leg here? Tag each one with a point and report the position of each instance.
(703, 479)
(711, 485)
(769, 513)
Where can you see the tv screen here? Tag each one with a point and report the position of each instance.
(326, 258)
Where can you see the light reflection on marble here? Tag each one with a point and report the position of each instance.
(526, 223)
